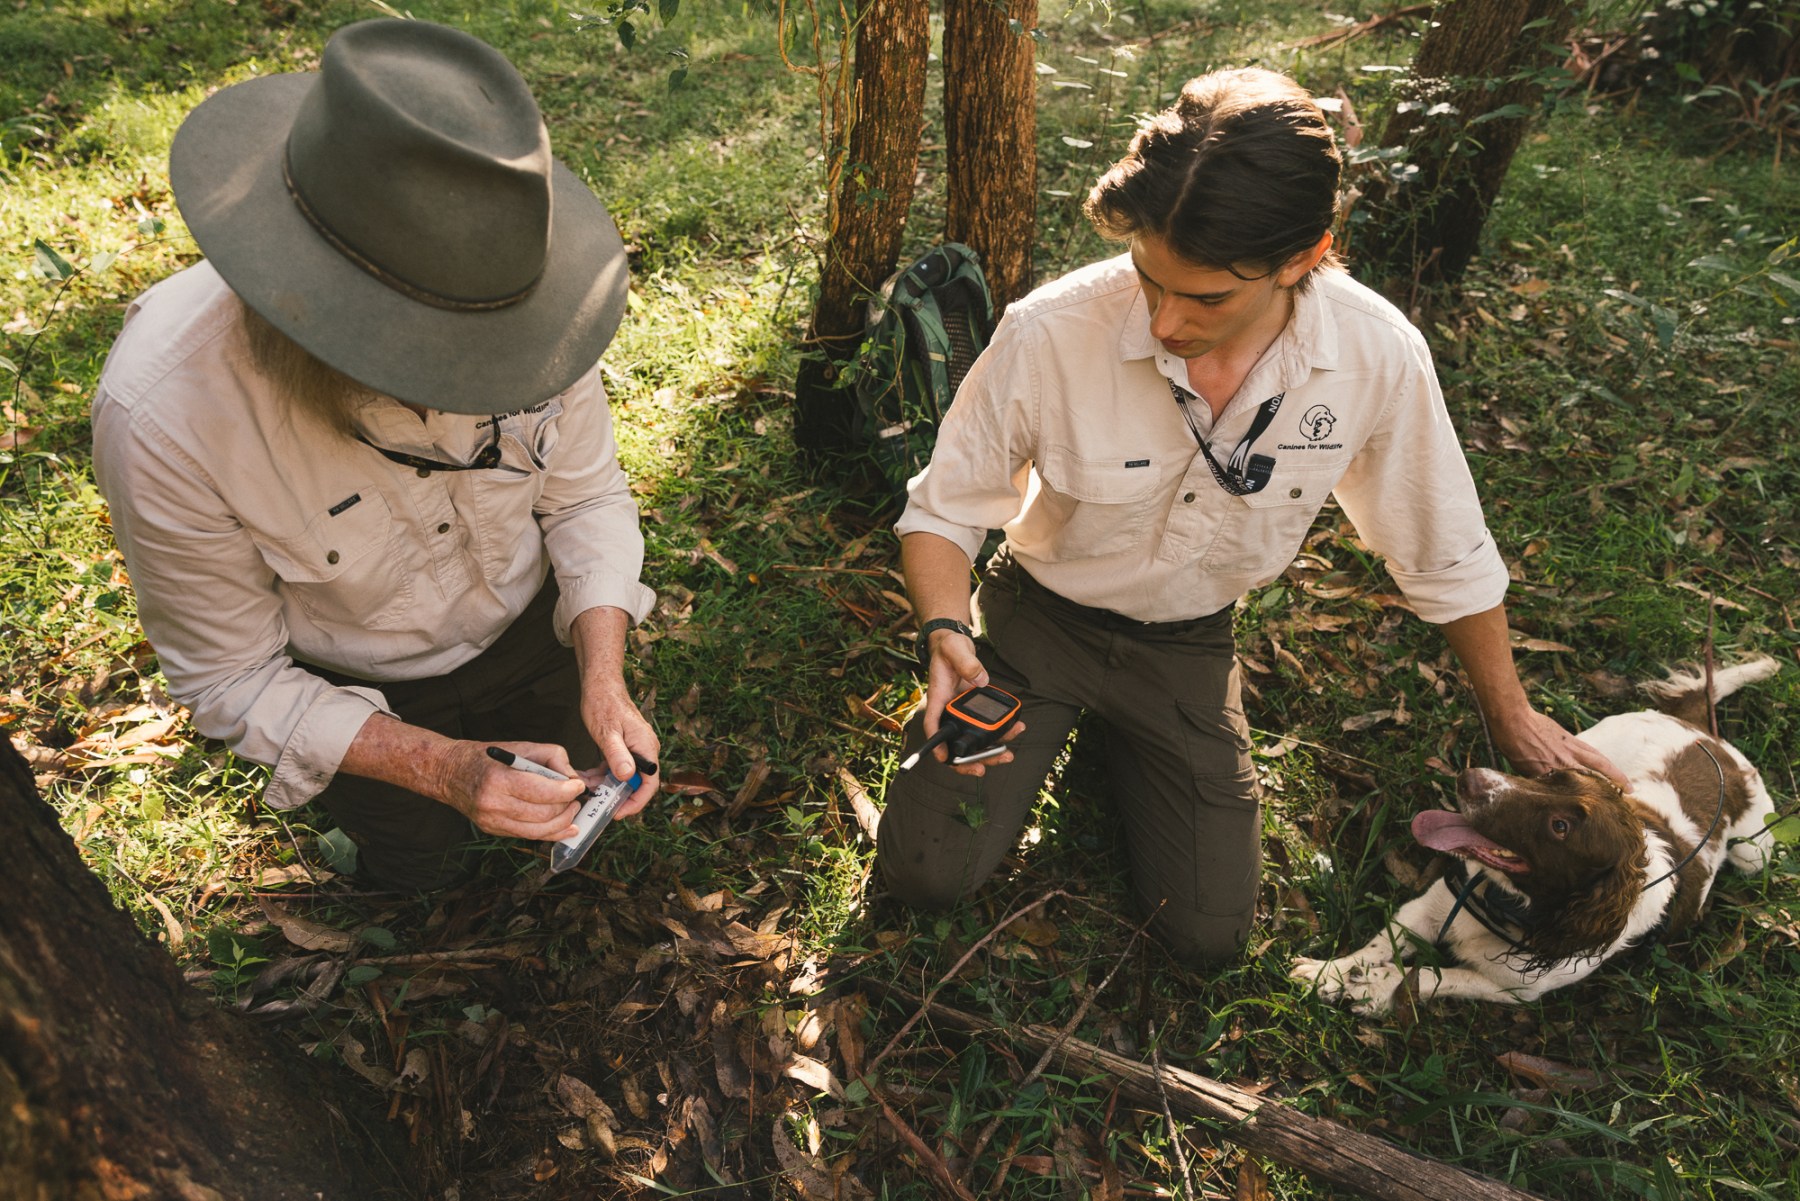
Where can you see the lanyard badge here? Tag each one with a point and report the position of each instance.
(1243, 473)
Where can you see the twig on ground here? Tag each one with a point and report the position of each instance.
(1081, 1012)
(950, 975)
(868, 571)
(299, 855)
(1350, 33)
(1175, 1135)
(1746, 587)
(934, 1163)
(832, 721)
(1712, 707)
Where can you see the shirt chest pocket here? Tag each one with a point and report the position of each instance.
(1263, 530)
(1104, 506)
(345, 568)
(535, 433)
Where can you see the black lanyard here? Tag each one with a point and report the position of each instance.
(488, 457)
(1244, 472)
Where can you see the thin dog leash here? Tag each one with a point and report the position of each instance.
(1465, 899)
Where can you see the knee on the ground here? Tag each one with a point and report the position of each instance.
(918, 884)
(417, 871)
(1200, 940)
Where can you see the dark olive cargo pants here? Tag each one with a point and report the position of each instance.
(1178, 754)
(526, 686)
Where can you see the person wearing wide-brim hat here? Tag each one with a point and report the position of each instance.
(359, 460)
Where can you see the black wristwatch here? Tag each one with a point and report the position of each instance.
(926, 630)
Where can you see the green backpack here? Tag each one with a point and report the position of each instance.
(923, 332)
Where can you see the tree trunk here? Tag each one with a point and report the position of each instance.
(886, 114)
(117, 1081)
(990, 137)
(1426, 229)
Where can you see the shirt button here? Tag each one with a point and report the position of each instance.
(444, 527)
(331, 556)
(1294, 493)
(424, 471)
(1188, 499)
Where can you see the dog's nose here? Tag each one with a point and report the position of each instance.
(1479, 785)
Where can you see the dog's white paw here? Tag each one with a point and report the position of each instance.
(1306, 970)
(1369, 987)
(1372, 994)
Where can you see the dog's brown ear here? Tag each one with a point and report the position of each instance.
(1591, 919)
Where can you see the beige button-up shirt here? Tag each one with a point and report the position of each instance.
(1065, 435)
(256, 538)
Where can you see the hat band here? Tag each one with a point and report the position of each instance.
(410, 290)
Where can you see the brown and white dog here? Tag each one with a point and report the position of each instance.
(1560, 873)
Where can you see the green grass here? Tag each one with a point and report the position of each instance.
(1636, 464)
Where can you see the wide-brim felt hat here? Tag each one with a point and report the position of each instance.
(399, 215)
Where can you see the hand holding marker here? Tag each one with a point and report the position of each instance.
(596, 811)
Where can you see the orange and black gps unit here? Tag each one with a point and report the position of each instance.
(972, 724)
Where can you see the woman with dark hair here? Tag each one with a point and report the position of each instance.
(1155, 434)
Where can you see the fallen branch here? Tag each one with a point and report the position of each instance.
(1362, 28)
(1332, 1152)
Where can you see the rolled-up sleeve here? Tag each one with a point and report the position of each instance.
(1412, 499)
(208, 604)
(588, 515)
(980, 467)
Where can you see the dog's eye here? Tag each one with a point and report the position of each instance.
(1559, 826)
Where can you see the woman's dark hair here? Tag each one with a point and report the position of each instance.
(1242, 172)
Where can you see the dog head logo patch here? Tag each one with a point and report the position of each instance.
(1316, 423)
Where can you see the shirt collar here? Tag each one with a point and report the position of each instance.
(1310, 340)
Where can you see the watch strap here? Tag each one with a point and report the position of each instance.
(931, 627)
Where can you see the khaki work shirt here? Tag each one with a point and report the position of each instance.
(1065, 435)
(255, 537)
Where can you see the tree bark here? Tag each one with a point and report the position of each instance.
(117, 1081)
(990, 138)
(1427, 229)
(875, 191)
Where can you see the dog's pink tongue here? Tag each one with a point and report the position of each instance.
(1442, 830)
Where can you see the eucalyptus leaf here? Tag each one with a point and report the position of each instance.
(1713, 262)
(1506, 112)
(339, 851)
(51, 265)
(1665, 322)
